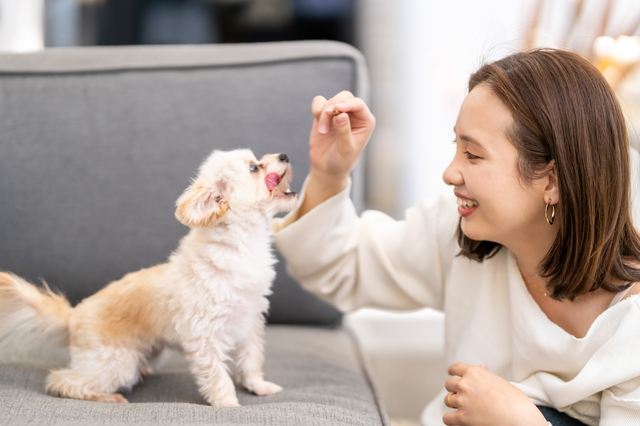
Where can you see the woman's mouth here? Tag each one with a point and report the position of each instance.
(466, 206)
(466, 203)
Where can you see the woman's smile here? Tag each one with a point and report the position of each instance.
(466, 206)
(466, 211)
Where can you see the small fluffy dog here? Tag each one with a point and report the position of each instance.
(208, 299)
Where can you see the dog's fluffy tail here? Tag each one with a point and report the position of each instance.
(31, 317)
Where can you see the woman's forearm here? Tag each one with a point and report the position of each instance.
(320, 187)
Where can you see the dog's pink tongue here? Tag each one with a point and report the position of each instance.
(272, 180)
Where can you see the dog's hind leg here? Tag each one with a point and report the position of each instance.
(152, 361)
(96, 375)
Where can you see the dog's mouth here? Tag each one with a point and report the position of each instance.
(272, 180)
(276, 181)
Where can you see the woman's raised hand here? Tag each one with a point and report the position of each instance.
(337, 141)
(335, 144)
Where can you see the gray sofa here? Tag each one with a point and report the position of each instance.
(96, 144)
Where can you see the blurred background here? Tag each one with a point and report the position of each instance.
(420, 54)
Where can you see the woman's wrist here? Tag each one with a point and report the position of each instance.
(327, 183)
(320, 187)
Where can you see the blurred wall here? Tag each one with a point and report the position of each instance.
(421, 53)
(21, 28)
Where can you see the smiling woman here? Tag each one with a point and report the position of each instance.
(539, 287)
(571, 147)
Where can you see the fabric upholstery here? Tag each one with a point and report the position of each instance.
(320, 370)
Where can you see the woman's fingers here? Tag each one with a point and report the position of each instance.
(458, 369)
(325, 120)
(342, 127)
(341, 97)
(337, 140)
(451, 400)
(451, 419)
(317, 105)
(452, 384)
(348, 105)
(356, 107)
(353, 123)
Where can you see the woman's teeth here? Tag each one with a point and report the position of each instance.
(467, 204)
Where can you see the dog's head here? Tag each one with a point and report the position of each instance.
(235, 182)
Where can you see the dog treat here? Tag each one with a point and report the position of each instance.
(335, 112)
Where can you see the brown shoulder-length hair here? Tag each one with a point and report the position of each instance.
(564, 110)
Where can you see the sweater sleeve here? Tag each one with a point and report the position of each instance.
(372, 260)
(620, 404)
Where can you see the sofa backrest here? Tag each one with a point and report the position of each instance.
(96, 144)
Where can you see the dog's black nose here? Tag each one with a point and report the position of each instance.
(284, 158)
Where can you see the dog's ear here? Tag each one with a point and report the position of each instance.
(202, 203)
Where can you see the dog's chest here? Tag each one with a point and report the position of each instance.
(230, 304)
(225, 288)
(227, 315)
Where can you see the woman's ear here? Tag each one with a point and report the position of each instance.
(551, 190)
(202, 203)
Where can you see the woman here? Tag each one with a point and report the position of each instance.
(536, 274)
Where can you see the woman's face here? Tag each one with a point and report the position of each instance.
(484, 172)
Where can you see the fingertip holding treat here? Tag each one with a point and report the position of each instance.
(342, 119)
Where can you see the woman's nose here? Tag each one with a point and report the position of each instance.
(452, 175)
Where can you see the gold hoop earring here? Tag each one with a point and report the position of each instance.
(553, 213)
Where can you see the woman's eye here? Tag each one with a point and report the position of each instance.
(470, 156)
(254, 168)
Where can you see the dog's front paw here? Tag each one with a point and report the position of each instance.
(146, 370)
(263, 388)
(227, 401)
(117, 398)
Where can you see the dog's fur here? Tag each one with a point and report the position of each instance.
(208, 299)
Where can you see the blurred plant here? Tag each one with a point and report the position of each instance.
(616, 53)
(616, 57)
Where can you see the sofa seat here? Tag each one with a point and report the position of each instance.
(321, 371)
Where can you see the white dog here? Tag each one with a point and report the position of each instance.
(208, 299)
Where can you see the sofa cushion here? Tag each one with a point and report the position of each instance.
(96, 144)
(321, 371)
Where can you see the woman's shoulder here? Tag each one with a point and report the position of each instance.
(430, 218)
(633, 290)
(441, 211)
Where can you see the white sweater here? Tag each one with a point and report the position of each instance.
(490, 317)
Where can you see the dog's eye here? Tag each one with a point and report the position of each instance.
(254, 168)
